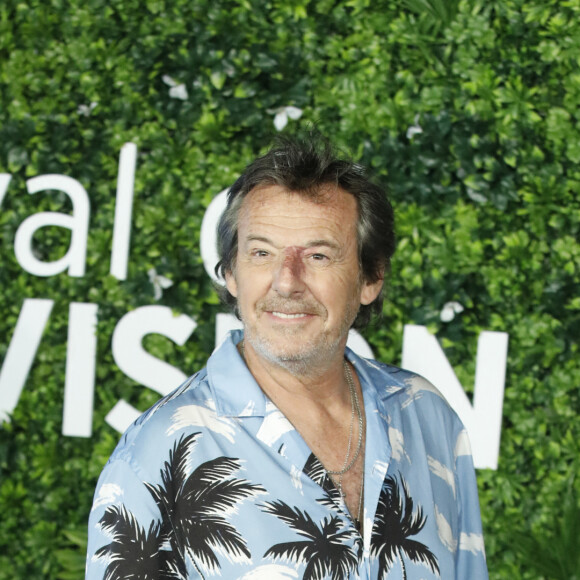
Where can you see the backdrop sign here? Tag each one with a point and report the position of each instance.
(421, 350)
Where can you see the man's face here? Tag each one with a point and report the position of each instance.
(297, 278)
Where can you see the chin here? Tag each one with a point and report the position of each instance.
(303, 357)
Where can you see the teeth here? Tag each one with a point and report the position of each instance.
(284, 315)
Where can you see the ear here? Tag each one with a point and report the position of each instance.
(231, 284)
(369, 291)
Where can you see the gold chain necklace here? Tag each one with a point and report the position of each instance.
(347, 465)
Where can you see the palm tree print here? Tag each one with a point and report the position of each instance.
(315, 470)
(395, 521)
(194, 521)
(325, 550)
(317, 473)
(133, 552)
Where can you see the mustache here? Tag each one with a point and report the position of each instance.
(290, 306)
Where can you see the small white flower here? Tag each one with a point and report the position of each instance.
(160, 283)
(449, 310)
(86, 110)
(176, 90)
(283, 114)
(414, 129)
(179, 92)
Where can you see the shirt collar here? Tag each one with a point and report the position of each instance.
(376, 379)
(235, 390)
(237, 394)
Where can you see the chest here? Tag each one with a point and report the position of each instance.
(296, 526)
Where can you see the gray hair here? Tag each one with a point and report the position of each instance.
(304, 166)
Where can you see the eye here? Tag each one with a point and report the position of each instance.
(260, 253)
(318, 258)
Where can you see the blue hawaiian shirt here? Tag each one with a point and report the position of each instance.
(213, 481)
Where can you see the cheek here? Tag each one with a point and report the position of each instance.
(339, 289)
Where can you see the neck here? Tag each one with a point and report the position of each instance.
(292, 379)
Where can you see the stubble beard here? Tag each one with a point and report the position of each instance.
(298, 356)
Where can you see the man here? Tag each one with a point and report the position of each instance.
(289, 456)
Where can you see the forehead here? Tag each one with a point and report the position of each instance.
(331, 211)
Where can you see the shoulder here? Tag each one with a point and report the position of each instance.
(400, 388)
(157, 428)
(205, 408)
(388, 379)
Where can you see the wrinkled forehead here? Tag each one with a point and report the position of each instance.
(329, 195)
(320, 193)
(330, 198)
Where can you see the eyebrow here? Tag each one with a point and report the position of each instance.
(311, 244)
(252, 238)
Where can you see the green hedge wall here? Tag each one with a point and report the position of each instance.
(486, 190)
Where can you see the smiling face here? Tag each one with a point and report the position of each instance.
(297, 278)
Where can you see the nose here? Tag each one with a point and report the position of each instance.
(288, 277)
